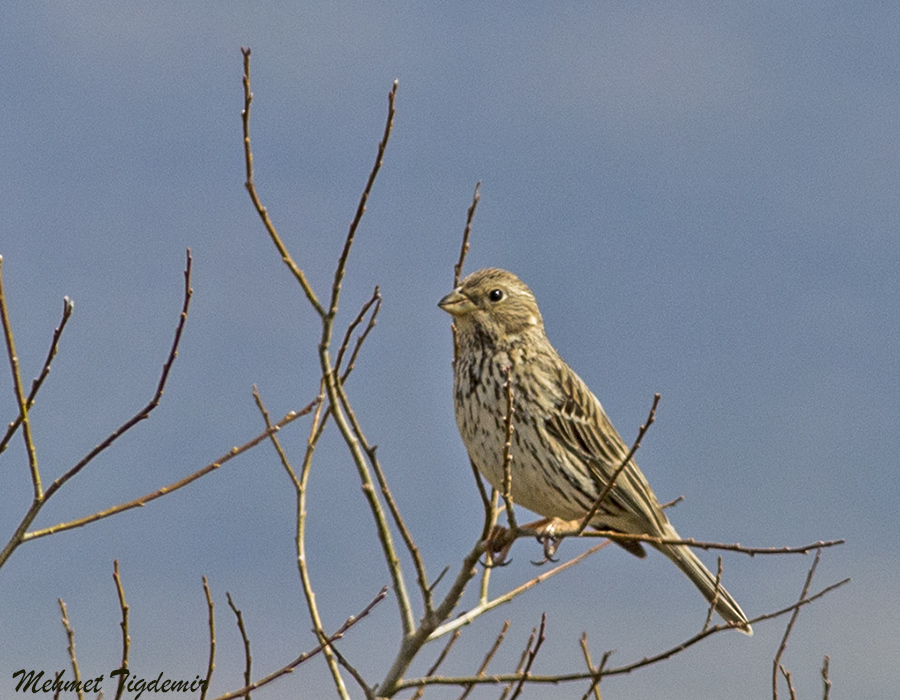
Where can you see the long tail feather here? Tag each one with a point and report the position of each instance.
(685, 559)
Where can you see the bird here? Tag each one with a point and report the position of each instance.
(563, 447)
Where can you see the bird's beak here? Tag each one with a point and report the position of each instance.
(456, 303)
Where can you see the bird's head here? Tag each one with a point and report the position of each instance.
(493, 302)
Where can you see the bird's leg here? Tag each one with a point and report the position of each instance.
(550, 532)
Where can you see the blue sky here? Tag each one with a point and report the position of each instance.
(703, 199)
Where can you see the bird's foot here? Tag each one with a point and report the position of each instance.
(550, 532)
(497, 545)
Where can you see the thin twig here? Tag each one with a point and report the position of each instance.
(405, 534)
(463, 251)
(351, 363)
(248, 658)
(70, 635)
(598, 671)
(700, 544)
(720, 628)
(491, 514)
(337, 399)
(486, 660)
(437, 663)
(211, 616)
(477, 611)
(716, 587)
(616, 671)
(357, 676)
(145, 412)
(670, 504)
(776, 663)
(257, 204)
(289, 668)
(825, 679)
(437, 579)
(341, 268)
(522, 659)
(300, 543)
(68, 308)
(20, 393)
(21, 535)
(321, 417)
(411, 644)
(790, 682)
(126, 639)
(371, 450)
(316, 428)
(615, 475)
(532, 654)
(329, 371)
(159, 493)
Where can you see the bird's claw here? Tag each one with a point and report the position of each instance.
(497, 546)
(550, 539)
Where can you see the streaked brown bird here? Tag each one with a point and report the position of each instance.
(564, 447)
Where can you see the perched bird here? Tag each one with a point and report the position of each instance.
(564, 448)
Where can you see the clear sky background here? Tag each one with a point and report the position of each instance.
(703, 198)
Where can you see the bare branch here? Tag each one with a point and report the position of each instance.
(376, 300)
(825, 679)
(715, 600)
(250, 185)
(361, 207)
(357, 676)
(211, 616)
(437, 663)
(300, 485)
(289, 668)
(598, 671)
(356, 440)
(70, 635)
(491, 513)
(671, 504)
(463, 251)
(790, 683)
(338, 400)
(457, 269)
(68, 308)
(248, 658)
(20, 393)
(700, 544)
(616, 671)
(477, 611)
(522, 659)
(144, 413)
(147, 498)
(126, 639)
(21, 535)
(776, 663)
(532, 654)
(412, 643)
(486, 660)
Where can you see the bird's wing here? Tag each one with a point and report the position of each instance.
(582, 428)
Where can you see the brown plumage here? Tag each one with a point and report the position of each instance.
(564, 448)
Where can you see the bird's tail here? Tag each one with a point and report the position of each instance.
(685, 559)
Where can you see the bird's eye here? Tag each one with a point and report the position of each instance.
(495, 295)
